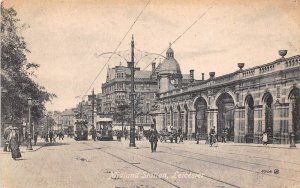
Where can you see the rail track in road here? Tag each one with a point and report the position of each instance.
(160, 161)
(251, 156)
(236, 160)
(216, 163)
(233, 161)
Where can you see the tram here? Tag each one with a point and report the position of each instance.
(81, 130)
(104, 128)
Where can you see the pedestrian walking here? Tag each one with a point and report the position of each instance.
(94, 133)
(153, 139)
(125, 133)
(14, 144)
(51, 136)
(119, 135)
(197, 137)
(224, 136)
(212, 135)
(35, 138)
(265, 138)
(175, 135)
(181, 138)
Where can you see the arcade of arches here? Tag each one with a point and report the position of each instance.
(245, 123)
(241, 105)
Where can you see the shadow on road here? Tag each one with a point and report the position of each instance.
(56, 144)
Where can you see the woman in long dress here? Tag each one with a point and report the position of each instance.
(14, 145)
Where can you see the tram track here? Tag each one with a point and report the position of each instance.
(163, 162)
(234, 160)
(239, 168)
(215, 163)
(132, 164)
(250, 156)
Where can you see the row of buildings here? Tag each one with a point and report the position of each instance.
(243, 104)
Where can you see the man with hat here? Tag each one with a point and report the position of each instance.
(153, 138)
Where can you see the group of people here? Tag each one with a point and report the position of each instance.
(52, 136)
(174, 134)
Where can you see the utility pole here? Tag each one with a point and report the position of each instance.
(93, 104)
(132, 94)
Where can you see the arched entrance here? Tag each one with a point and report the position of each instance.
(249, 107)
(225, 104)
(268, 102)
(201, 118)
(295, 103)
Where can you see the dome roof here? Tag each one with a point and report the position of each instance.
(169, 65)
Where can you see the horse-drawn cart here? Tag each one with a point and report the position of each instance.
(164, 136)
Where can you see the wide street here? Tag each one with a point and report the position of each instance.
(70, 163)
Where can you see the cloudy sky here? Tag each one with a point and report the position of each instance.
(66, 37)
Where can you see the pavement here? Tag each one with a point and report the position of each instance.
(23, 147)
(70, 163)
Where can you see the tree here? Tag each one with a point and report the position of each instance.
(122, 114)
(17, 84)
(123, 111)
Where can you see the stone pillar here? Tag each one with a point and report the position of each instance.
(290, 119)
(258, 124)
(192, 124)
(159, 121)
(239, 125)
(185, 122)
(276, 123)
(212, 119)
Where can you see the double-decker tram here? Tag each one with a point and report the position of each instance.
(104, 127)
(81, 129)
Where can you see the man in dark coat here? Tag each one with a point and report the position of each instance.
(51, 135)
(153, 138)
(35, 138)
(212, 134)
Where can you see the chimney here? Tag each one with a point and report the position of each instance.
(192, 75)
(212, 75)
(153, 68)
(202, 76)
(129, 64)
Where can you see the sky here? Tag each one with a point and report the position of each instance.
(67, 37)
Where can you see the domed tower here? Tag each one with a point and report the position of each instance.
(169, 73)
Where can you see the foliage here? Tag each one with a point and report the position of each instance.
(17, 84)
(122, 113)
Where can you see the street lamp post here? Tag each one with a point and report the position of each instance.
(29, 145)
(46, 139)
(132, 96)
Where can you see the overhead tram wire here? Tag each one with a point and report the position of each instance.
(136, 19)
(201, 16)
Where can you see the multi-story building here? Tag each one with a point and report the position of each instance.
(242, 105)
(67, 119)
(116, 90)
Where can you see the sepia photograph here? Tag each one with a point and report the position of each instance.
(150, 93)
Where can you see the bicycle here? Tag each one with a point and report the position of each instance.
(214, 141)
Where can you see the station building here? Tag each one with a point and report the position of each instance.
(244, 103)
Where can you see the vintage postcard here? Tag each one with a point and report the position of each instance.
(149, 93)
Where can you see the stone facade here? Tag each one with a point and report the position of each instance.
(244, 104)
(116, 90)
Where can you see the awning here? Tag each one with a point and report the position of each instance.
(104, 120)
